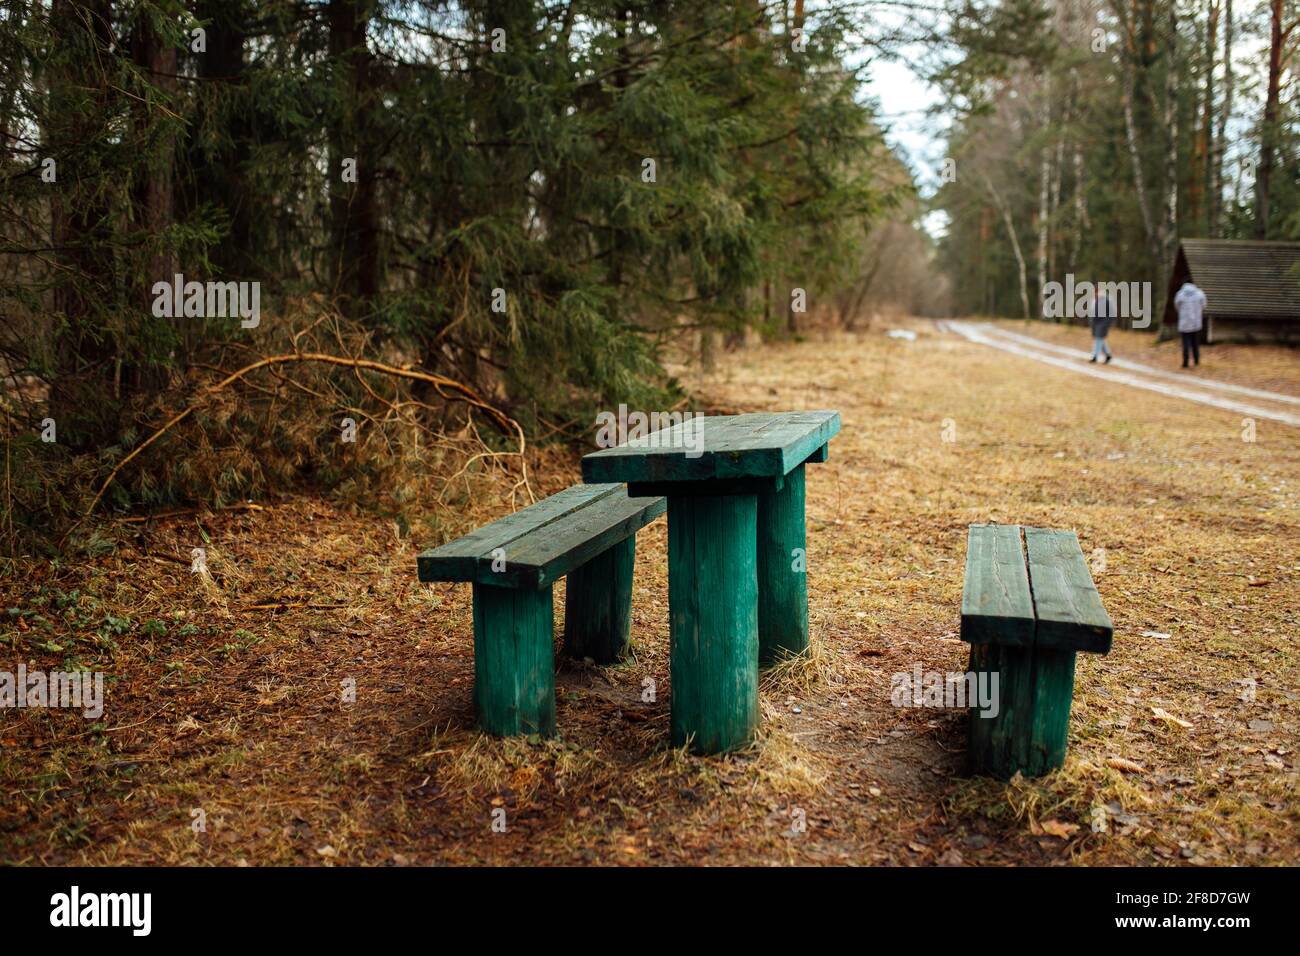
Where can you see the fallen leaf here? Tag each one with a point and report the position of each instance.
(1158, 635)
(1166, 716)
(1124, 764)
(1057, 828)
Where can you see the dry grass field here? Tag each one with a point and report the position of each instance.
(224, 696)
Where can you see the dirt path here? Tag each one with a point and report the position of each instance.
(1203, 390)
(218, 707)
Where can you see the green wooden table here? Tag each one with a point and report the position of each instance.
(737, 555)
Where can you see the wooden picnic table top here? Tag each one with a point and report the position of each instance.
(753, 445)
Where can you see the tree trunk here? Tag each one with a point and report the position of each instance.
(1169, 223)
(220, 175)
(1136, 53)
(1080, 225)
(1044, 185)
(1206, 142)
(1139, 179)
(83, 390)
(1015, 245)
(1268, 132)
(353, 205)
(154, 194)
(1221, 134)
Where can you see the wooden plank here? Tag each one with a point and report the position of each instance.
(755, 445)
(514, 673)
(996, 604)
(598, 605)
(673, 454)
(1028, 730)
(782, 572)
(777, 442)
(550, 552)
(1069, 609)
(718, 486)
(458, 560)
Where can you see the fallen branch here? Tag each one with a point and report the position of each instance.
(442, 385)
(159, 516)
(297, 604)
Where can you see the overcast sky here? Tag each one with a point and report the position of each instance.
(918, 138)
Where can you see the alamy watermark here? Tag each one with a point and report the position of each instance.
(1077, 300)
(75, 908)
(212, 300)
(66, 689)
(921, 688)
(683, 430)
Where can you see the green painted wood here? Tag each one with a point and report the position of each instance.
(1069, 610)
(1030, 731)
(1026, 613)
(713, 620)
(458, 560)
(755, 445)
(820, 455)
(514, 673)
(718, 486)
(598, 605)
(549, 553)
(782, 552)
(540, 544)
(996, 603)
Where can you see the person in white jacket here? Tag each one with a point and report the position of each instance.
(1190, 303)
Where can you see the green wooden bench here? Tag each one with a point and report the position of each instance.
(1026, 609)
(587, 532)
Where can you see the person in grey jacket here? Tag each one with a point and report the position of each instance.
(1102, 318)
(1190, 303)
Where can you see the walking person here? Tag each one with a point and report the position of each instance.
(1102, 318)
(1190, 303)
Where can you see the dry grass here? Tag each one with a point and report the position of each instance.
(236, 712)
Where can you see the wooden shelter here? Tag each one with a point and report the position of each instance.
(1252, 289)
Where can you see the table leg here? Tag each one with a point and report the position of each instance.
(782, 571)
(713, 613)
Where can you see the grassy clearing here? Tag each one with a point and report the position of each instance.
(225, 692)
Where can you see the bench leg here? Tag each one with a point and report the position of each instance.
(1032, 726)
(514, 674)
(598, 605)
(713, 615)
(782, 571)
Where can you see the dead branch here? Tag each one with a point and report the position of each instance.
(446, 388)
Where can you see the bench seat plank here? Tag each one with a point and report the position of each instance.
(549, 553)
(1070, 613)
(996, 604)
(458, 560)
(545, 541)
